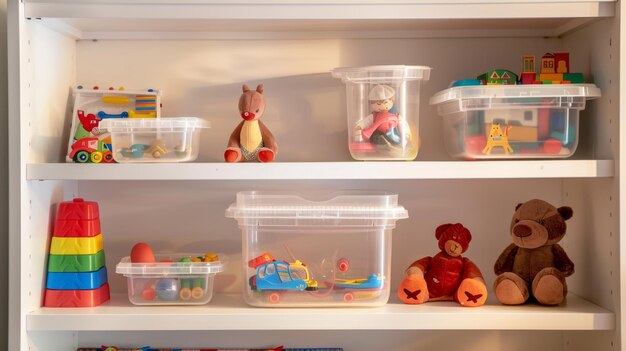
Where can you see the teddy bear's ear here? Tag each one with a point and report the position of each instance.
(245, 88)
(518, 206)
(259, 88)
(441, 229)
(565, 212)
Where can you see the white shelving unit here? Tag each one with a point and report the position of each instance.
(229, 312)
(199, 52)
(325, 170)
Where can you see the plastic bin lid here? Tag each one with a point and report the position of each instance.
(588, 91)
(134, 124)
(375, 74)
(346, 205)
(126, 267)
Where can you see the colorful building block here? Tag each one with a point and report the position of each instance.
(78, 209)
(77, 275)
(77, 280)
(77, 298)
(498, 77)
(76, 263)
(74, 228)
(76, 246)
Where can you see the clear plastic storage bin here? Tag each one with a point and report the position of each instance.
(512, 121)
(383, 110)
(298, 252)
(169, 281)
(155, 139)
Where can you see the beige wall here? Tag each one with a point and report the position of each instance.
(4, 179)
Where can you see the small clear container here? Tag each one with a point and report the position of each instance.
(135, 140)
(512, 121)
(169, 281)
(331, 251)
(383, 110)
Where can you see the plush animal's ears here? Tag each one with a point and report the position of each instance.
(245, 88)
(518, 206)
(442, 229)
(565, 212)
(259, 88)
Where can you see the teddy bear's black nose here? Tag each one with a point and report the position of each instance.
(522, 230)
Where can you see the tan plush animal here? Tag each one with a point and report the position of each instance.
(251, 140)
(534, 264)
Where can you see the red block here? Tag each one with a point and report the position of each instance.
(77, 218)
(77, 228)
(78, 209)
(77, 298)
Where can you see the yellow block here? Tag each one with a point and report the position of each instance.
(115, 99)
(557, 77)
(133, 114)
(76, 245)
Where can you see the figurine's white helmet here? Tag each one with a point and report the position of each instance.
(381, 92)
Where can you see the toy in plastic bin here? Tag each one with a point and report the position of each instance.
(383, 127)
(383, 110)
(554, 69)
(143, 140)
(169, 279)
(89, 143)
(251, 140)
(279, 277)
(499, 115)
(447, 275)
(343, 242)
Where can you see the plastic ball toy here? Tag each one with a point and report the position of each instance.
(167, 289)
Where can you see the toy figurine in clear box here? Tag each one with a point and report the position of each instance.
(384, 130)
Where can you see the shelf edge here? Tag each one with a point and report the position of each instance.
(325, 170)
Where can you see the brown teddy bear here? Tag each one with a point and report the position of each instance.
(448, 275)
(534, 264)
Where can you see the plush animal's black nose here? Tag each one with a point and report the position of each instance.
(522, 230)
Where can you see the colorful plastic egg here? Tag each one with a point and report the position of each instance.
(142, 253)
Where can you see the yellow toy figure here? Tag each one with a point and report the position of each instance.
(498, 138)
(251, 140)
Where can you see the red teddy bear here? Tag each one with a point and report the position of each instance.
(448, 275)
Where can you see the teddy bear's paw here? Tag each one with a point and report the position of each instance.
(471, 293)
(266, 155)
(549, 290)
(232, 154)
(510, 289)
(413, 290)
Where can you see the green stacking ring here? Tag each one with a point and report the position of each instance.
(76, 263)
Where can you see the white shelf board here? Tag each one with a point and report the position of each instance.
(229, 312)
(324, 170)
(202, 19)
